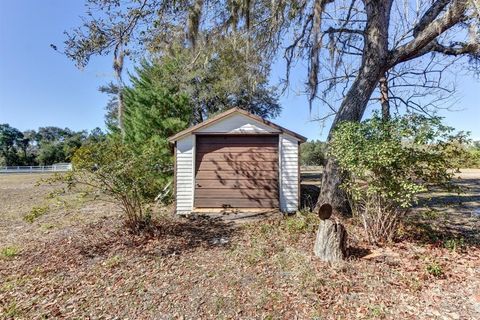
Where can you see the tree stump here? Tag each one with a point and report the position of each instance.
(331, 242)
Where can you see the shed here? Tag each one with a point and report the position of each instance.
(236, 160)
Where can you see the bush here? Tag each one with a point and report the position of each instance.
(473, 159)
(313, 153)
(129, 176)
(454, 244)
(469, 157)
(387, 164)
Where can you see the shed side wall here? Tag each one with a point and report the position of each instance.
(185, 174)
(288, 173)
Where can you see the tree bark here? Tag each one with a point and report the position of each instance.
(331, 242)
(374, 64)
(120, 110)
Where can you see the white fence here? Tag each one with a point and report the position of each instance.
(61, 167)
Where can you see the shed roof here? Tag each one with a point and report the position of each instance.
(231, 112)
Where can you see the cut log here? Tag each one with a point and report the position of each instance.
(325, 211)
(331, 242)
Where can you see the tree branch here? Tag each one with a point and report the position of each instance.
(424, 38)
(318, 8)
(430, 15)
(345, 30)
(458, 48)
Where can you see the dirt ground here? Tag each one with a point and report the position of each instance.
(73, 260)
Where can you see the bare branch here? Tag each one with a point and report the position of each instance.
(430, 15)
(313, 69)
(345, 30)
(419, 45)
(458, 48)
(290, 50)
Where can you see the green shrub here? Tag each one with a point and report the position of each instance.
(470, 155)
(131, 176)
(35, 212)
(295, 225)
(388, 163)
(473, 160)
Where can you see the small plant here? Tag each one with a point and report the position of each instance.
(302, 222)
(295, 225)
(255, 255)
(35, 212)
(435, 269)
(10, 252)
(454, 244)
(113, 261)
(55, 193)
(415, 284)
(47, 226)
(266, 229)
(430, 214)
(11, 310)
(377, 311)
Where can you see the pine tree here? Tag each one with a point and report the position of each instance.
(155, 109)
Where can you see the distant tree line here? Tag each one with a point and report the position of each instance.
(313, 153)
(46, 146)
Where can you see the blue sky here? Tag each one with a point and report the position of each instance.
(39, 87)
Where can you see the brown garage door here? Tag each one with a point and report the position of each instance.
(238, 171)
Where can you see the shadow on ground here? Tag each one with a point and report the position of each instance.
(308, 196)
(439, 218)
(447, 217)
(173, 236)
(431, 233)
(170, 236)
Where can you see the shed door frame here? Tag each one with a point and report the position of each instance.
(278, 171)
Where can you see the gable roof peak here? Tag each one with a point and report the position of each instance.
(229, 112)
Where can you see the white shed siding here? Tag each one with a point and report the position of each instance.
(185, 158)
(238, 123)
(288, 173)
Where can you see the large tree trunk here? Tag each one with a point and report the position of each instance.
(352, 109)
(374, 63)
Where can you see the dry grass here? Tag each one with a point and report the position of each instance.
(84, 266)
